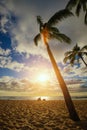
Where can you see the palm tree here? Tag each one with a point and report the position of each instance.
(79, 4)
(75, 54)
(47, 32)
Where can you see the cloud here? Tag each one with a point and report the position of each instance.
(74, 82)
(6, 61)
(10, 84)
(5, 52)
(13, 84)
(4, 57)
(15, 66)
(26, 27)
(74, 70)
(18, 18)
(74, 76)
(25, 87)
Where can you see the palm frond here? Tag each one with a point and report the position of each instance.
(57, 17)
(78, 9)
(68, 53)
(84, 4)
(76, 54)
(65, 59)
(78, 4)
(85, 20)
(55, 36)
(70, 57)
(60, 37)
(71, 4)
(53, 30)
(76, 48)
(85, 53)
(84, 48)
(63, 38)
(39, 20)
(72, 60)
(36, 39)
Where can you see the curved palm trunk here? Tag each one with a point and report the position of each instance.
(73, 114)
(83, 61)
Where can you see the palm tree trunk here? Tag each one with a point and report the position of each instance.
(72, 112)
(83, 61)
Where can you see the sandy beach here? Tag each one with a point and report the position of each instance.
(40, 115)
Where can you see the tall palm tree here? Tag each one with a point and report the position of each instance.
(47, 32)
(75, 54)
(79, 4)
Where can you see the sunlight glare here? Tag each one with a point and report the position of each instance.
(43, 78)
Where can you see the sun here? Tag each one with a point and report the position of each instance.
(43, 78)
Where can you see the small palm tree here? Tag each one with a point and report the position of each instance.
(79, 4)
(47, 31)
(75, 54)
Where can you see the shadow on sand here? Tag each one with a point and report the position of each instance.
(82, 124)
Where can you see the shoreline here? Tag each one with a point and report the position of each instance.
(42, 97)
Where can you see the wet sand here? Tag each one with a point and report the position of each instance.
(40, 115)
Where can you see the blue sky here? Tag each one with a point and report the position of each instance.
(21, 62)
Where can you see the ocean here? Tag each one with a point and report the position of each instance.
(42, 97)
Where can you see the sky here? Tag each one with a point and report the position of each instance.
(22, 64)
